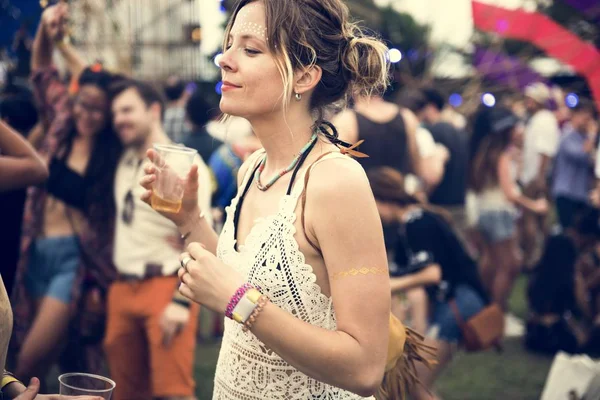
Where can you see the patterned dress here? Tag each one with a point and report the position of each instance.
(271, 259)
(96, 268)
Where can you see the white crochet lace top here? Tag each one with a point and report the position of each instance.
(271, 259)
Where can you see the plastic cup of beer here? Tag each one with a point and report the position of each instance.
(80, 384)
(173, 165)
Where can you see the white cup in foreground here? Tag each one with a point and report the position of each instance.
(80, 384)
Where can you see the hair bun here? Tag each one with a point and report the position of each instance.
(365, 59)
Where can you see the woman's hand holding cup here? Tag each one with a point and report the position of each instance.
(189, 203)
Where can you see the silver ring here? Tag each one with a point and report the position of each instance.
(186, 260)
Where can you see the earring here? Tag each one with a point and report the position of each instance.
(298, 96)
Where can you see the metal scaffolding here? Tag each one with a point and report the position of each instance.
(149, 39)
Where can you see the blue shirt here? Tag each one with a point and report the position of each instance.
(224, 164)
(572, 168)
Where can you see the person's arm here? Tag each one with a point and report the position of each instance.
(545, 162)
(205, 189)
(75, 63)
(6, 324)
(546, 133)
(43, 46)
(511, 190)
(20, 165)
(411, 123)
(191, 220)
(14, 389)
(350, 237)
(575, 151)
(347, 126)
(423, 240)
(433, 158)
(177, 314)
(581, 295)
(199, 227)
(49, 90)
(430, 275)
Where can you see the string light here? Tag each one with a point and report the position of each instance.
(394, 55)
(571, 100)
(455, 100)
(488, 99)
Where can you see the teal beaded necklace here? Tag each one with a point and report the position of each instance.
(261, 167)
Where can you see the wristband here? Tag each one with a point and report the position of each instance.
(245, 306)
(262, 302)
(7, 379)
(235, 299)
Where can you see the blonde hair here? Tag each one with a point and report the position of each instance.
(302, 34)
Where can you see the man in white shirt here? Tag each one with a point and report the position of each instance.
(151, 329)
(541, 137)
(540, 145)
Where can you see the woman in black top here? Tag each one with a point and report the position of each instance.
(436, 260)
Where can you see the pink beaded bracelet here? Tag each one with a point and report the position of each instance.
(235, 299)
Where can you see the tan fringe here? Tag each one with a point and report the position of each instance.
(399, 381)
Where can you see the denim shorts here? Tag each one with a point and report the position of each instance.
(443, 320)
(497, 226)
(52, 268)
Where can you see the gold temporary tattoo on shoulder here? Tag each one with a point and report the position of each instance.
(360, 271)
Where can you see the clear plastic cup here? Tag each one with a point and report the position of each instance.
(172, 167)
(80, 384)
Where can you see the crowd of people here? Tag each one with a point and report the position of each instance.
(435, 219)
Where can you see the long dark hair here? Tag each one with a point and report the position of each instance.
(553, 282)
(388, 186)
(553, 279)
(492, 134)
(102, 165)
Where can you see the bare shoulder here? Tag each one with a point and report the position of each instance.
(338, 178)
(250, 161)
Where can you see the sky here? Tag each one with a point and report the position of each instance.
(451, 22)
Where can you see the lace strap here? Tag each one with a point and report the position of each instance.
(302, 189)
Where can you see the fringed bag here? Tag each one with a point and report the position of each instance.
(406, 348)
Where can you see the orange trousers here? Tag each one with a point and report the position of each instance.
(140, 364)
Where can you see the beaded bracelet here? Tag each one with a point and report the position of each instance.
(262, 302)
(235, 299)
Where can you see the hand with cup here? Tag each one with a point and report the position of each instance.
(31, 393)
(171, 182)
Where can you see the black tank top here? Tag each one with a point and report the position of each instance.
(385, 144)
